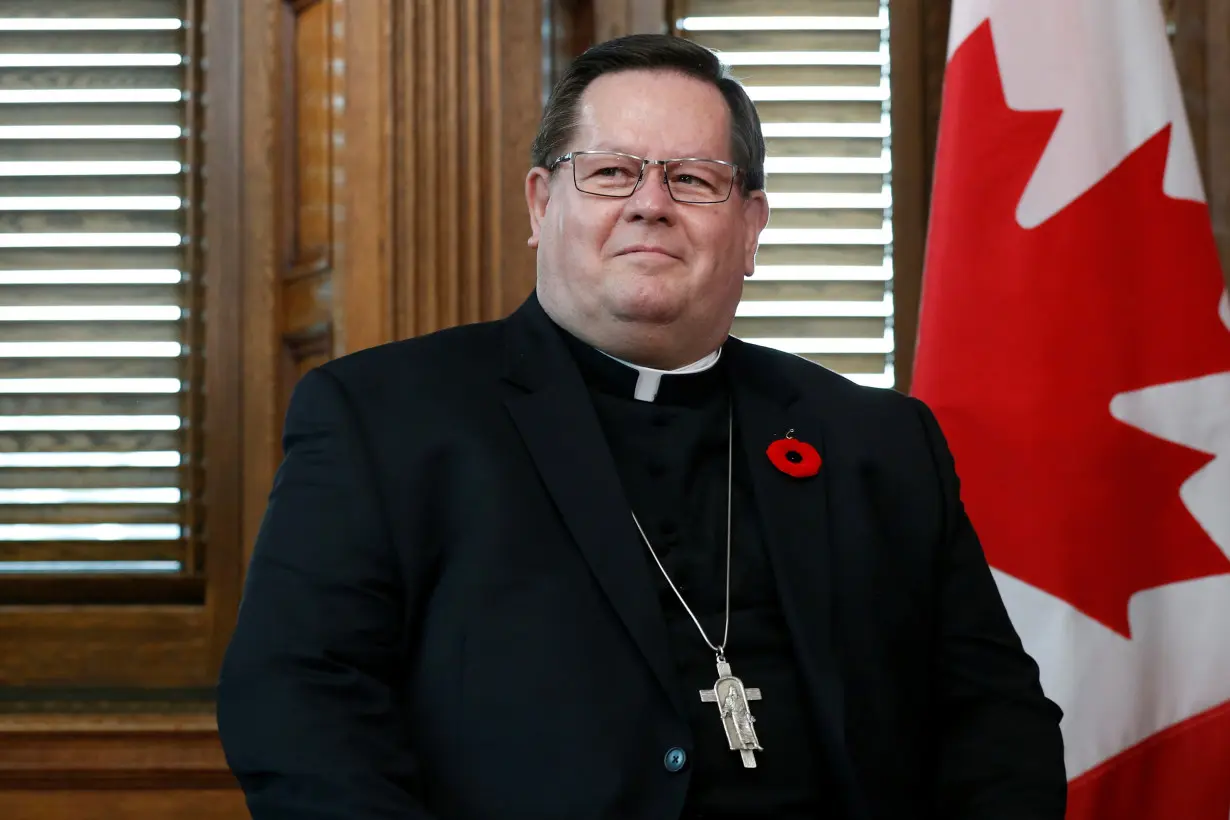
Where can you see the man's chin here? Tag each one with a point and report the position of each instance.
(648, 293)
(649, 310)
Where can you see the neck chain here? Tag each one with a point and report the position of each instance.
(720, 649)
(728, 692)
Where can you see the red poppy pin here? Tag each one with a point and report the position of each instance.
(793, 457)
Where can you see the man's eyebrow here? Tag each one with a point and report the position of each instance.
(606, 146)
(602, 146)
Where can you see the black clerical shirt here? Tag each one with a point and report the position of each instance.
(671, 455)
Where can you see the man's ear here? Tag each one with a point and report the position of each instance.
(537, 194)
(755, 218)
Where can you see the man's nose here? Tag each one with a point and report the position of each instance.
(651, 196)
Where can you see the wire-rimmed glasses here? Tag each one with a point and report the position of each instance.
(689, 180)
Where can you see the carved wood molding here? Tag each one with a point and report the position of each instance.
(60, 752)
(309, 346)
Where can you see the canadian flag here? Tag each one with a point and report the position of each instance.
(1074, 343)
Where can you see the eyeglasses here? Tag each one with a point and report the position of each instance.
(691, 180)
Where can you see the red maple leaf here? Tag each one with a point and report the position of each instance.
(1027, 334)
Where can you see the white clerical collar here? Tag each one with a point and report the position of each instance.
(648, 379)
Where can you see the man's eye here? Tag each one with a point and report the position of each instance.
(692, 181)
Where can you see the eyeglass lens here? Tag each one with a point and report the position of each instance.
(688, 180)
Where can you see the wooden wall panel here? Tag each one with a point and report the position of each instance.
(364, 174)
(121, 767)
(615, 18)
(311, 98)
(1201, 42)
(469, 85)
(1217, 123)
(109, 646)
(263, 60)
(312, 123)
(934, 21)
(294, 123)
(125, 804)
(365, 183)
(385, 150)
(916, 41)
(571, 28)
(93, 752)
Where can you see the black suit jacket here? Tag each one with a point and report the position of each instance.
(448, 613)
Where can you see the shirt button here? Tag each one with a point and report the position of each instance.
(675, 759)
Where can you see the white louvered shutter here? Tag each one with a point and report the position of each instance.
(818, 73)
(95, 296)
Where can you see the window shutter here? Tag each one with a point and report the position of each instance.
(818, 73)
(96, 293)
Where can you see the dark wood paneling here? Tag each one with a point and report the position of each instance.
(264, 112)
(912, 156)
(120, 646)
(469, 97)
(313, 122)
(364, 299)
(934, 18)
(572, 29)
(111, 766)
(433, 108)
(294, 118)
(615, 18)
(307, 307)
(112, 751)
(1201, 43)
(1217, 125)
(220, 403)
(311, 137)
(125, 804)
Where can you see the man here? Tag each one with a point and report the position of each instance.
(517, 569)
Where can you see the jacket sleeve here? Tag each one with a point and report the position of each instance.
(308, 693)
(1000, 750)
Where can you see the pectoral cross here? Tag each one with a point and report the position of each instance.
(731, 697)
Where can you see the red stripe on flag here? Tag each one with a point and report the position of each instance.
(1182, 773)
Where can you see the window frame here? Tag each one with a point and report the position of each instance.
(122, 633)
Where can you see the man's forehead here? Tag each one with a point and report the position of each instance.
(628, 93)
(683, 114)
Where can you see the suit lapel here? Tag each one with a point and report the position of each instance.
(794, 523)
(556, 419)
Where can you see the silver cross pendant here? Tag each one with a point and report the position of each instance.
(732, 698)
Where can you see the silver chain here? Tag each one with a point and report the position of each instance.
(721, 649)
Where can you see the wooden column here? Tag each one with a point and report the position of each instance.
(918, 50)
(468, 90)
(1201, 41)
(385, 150)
